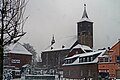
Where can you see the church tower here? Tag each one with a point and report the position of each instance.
(85, 30)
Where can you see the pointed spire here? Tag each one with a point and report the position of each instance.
(85, 12)
(53, 40)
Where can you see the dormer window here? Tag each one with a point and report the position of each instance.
(88, 59)
(91, 58)
(80, 60)
(84, 59)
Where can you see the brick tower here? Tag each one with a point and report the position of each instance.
(85, 30)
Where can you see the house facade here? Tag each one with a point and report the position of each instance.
(82, 66)
(109, 63)
(16, 56)
(81, 72)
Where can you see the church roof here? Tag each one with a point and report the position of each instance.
(66, 43)
(17, 48)
(63, 44)
(83, 47)
(85, 16)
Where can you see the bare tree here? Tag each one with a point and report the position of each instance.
(31, 50)
(11, 24)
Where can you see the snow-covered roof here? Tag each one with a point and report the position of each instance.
(76, 62)
(85, 54)
(76, 55)
(104, 56)
(26, 65)
(85, 19)
(83, 47)
(17, 48)
(66, 42)
(90, 53)
(85, 16)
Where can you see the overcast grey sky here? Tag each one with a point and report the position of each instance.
(59, 17)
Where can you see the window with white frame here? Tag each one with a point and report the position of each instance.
(91, 58)
(84, 59)
(106, 59)
(15, 61)
(101, 59)
(88, 59)
(80, 60)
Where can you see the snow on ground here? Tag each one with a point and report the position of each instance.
(17, 79)
(55, 79)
